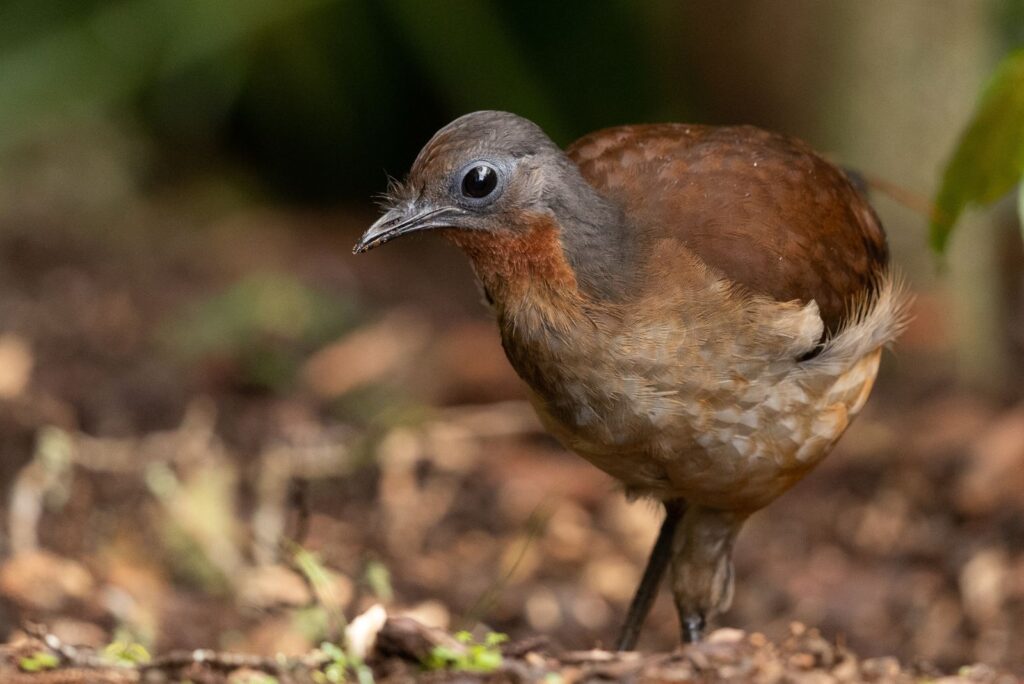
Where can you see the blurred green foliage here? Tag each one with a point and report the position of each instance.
(323, 95)
(197, 524)
(39, 661)
(1009, 17)
(378, 578)
(989, 158)
(264, 326)
(474, 656)
(124, 650)
(65, 59)
(340, 664)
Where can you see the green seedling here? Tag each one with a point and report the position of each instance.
(477, 656)
(339, 664)
(379, 580)
(321, 581)
(126, 653)
(39, 661)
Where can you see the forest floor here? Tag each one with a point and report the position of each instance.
(229, 434)
(406, 651)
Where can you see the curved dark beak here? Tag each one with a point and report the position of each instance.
(402, 220)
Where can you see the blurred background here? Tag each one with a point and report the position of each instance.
(219, 428)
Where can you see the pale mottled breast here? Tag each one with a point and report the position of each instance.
(719, 439)
(673, 407)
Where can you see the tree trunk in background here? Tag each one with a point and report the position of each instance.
(906, 83)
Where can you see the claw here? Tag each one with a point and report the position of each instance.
(693, 627)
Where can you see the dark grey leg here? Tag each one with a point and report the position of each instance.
(658, 561)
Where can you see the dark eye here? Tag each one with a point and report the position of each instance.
(479, 181)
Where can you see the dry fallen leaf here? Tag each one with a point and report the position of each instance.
(362, 632)
(44, 581)
(366, 355)
(271, 586)
(16, 363)
(995, 472)
(983, 583)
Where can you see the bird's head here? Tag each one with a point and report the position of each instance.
(497, 186)
(490, 172)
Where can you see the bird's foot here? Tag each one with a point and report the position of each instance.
(693, 627)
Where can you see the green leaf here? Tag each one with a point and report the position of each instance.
(364, 675)
(379, 578)
(989, 159)
(485, 660)
(443, 654)
(39, 661)
(495, 639)
(126, 653)
(334, 652)
(478, 657)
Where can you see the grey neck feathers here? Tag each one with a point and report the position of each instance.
(595, 236)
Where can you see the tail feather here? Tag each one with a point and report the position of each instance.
(877, 321)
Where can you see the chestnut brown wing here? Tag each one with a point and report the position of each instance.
(761, 208)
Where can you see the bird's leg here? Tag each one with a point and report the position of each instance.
(658, 561)
(693, 627)
(702, 575)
